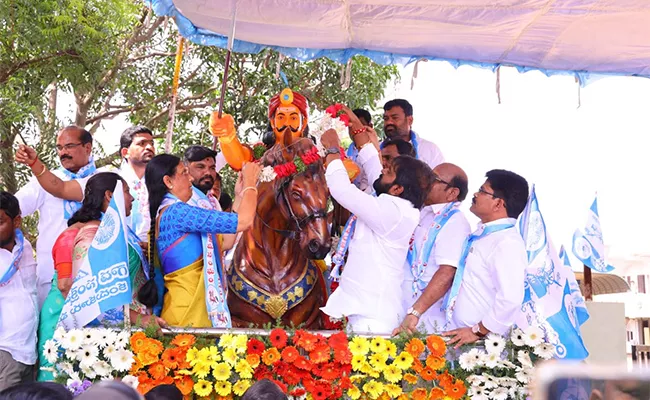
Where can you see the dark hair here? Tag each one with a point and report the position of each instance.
(164, 392)
(264, 390)
(225, 201)
(401, 103)
(96, 187)
(115, 389)
(198, 153)
(415, 177)
(9, 204)
(160, 166)
(461, 184)
(127, 136)
(361, 113)
(511, 188)
(36, 391)
(218, 178)
(404, 148)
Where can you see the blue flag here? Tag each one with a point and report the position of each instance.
(548, 299)
(581, 314)
(589, 246)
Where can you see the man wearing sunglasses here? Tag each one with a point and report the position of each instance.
(435, 249)
(488, 287)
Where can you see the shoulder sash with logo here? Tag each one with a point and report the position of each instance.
(419, 259)
(69, 206)
(450, 300)
(7, 271)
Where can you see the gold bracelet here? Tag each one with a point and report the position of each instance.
(42, 171)
(249, 188)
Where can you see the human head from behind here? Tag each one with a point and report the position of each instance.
(164, 392)
(216, 188)
(264, 389)
(393, 148)
(74, 145)
(398, 118)
(10, 220)
(449, 185)
(201, 166)
(36, 391)
(110, 390)
(225, 201)
(407, 178)
(97, 197)
(364, 116)
(503, 195)
(137, 146)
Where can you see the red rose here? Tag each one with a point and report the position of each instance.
(331, 110)
(338, 107)
(345, 118)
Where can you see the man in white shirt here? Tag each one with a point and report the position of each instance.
(45, 193)
(368, 294)
(18, 300)
(398, 119)
(488, 288)
(434, 252)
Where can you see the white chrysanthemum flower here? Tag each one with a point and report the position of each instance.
(109, 351)
(50, 351)
(523, 376)
(88, 371)
(524, 359)
(545, 350)
(478, 393)
(122, 360)
(467, 361)
(517, 337)
(122, 340)
(267, 174)
(131, 381)
(89, 336)
(87, 355)
(533, 336)
(102, 368)
(72, 340)
(105, 337)
(477, 357)
(495, 343)
(491, 360)
(59, 334)
(500, 393)
(490, 381)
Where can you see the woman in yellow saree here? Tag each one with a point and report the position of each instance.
(184, 240)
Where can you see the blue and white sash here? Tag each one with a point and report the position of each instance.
(419, 259)
(7, 271)
(342, 248)
(450, 300)
(69, 206)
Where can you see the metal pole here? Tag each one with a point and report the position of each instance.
(587, 283)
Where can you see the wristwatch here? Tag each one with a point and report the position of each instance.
(332, 150)
(414, 312)
(476, 329)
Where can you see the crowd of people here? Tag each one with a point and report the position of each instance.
(407, 258)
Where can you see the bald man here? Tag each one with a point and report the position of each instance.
(434, 252)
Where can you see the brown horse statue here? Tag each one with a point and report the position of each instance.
(272, 275)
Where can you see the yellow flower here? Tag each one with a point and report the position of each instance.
(354, 393)
(357, 377)
(241, 387)
(183, 372)
(213, 354)
(358, 361)
(192, 355)
(203, 388)
(391, 349)
(221, 371)
(244, 369)
(359, 346)
(226, 341)
(403, 361)
(201, 369)
(239, 344)
(373, 389)
(393, 374)
(393, 390)
(204, 355)
(378, 361)
(378, 345)
(223, 388)
(369, 370)
(230, 356)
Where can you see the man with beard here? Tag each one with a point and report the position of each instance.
(200, 163)
(369, 294)
(56, 195)
(398, 119)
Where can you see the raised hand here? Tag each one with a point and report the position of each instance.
(26, 155)
(222, 127)
(250, 174)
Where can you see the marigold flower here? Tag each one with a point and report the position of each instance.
(184, 340)
(415, 347)
(436, 346)
(184, 383)
(436, 363)
(203, 388)
(270, 356)
(428, 374)
(138, 341)
(403, 361)
(278, 338)
(419, 394)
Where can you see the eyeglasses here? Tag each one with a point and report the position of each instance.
(68, 146)
(438, 179)
(481, 190)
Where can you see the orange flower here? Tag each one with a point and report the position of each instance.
(184, 383)
(184, 340)
(253, 360)
(437, 394)
(445, 380)
(403, 396)
(136, 366)
(144, 387)
(289, 354)
(415, 347)
(307, 341)
(436, 346)
(153, 346)
(419, 394)
(410, 378)
(171, 358)
(457, 390)
(321, 354)
(330, 372)
(138, 341)
(436, 363)
(417, 366)
(428, 374)
(157, 370)
(168, 380)
(342, 355)
(147, 357)
(278, 338)
(302, 363)
(271, 356)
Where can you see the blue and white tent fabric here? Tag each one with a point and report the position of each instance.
(102, 283)
(549, 301)
(588, 246)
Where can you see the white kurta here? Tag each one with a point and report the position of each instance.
(429, 152)
(52, 221)
(370, 292)
(446, 250)
(19, 307)
(492, 288)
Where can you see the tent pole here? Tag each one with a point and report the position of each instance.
(587, 283)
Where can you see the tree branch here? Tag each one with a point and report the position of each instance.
(155, 54)
(4, 75)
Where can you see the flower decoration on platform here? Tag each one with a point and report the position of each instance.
(333, 118)
(297, 166)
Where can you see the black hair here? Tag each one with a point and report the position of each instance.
(198, 153)
(115, 389)
(225, 201)
(415, 177)
(461, 184)
(218, 178)
(401, 103)
(365, 114)
(164, 392)
(36, 391)
(9, 204)
(404, 148)
(160, 166)
(264, 390)
(127, 136)
(96, 187)
(511, 188)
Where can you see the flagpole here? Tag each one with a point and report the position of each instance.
(587, 283)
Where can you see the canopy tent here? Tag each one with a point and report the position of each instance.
(577, 37)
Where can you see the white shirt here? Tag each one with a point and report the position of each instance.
(19, 307)
(429, 152)
(52, 221)
(446, 250)
(370, 282)
(140, 220)
(492, 288)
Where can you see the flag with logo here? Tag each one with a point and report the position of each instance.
(581, 314)
(588, 246)
(102, 284)
(548, 300)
